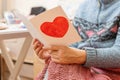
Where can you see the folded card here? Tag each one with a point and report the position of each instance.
(52, 27)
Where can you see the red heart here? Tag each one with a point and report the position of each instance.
(57, 28)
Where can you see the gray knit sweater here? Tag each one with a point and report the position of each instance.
(97, 23)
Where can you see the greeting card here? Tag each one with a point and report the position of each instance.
(52, 27)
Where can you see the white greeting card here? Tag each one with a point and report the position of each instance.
(52, 27)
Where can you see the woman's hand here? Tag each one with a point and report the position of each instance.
(67, 55)
(40, 52)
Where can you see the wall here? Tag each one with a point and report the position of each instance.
(24, 6)
(69, 6)
(10, 4)
(5, 5)
(0, 8)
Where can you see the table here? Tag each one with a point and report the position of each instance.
(14, 31)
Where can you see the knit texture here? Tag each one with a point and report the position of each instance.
(71, 72)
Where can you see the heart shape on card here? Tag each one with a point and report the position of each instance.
(57, 28)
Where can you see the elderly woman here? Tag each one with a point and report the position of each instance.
(97, 57)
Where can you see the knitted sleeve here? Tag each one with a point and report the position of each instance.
(104, 57)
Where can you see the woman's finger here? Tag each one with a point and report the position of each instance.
(37, 50)
(40, 45)
(34, 41)
(44, 54)
(41, 54)
(55, 60)
(54, 55)
(35, 45)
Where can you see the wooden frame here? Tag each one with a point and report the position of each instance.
(11, 34)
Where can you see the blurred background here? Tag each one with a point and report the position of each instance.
(25, 6)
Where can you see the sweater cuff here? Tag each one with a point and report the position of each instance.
(91, 56)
